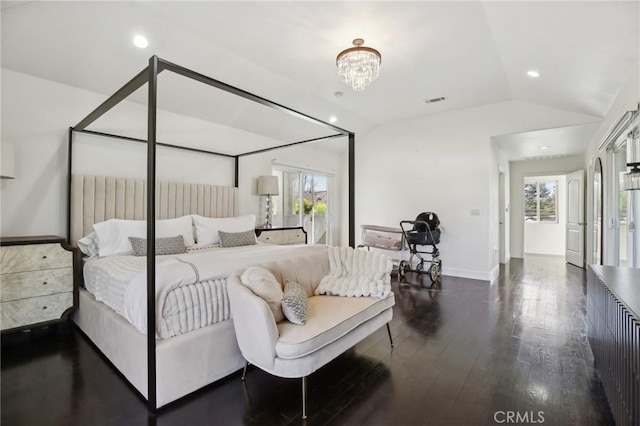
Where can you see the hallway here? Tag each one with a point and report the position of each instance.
(468, 353)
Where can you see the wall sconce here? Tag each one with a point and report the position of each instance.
(268, 186)
(7, 161)
(632, 179)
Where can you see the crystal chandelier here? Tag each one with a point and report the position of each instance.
(358, 66)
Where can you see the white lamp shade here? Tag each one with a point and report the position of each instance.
(7, 161)
(268, 185)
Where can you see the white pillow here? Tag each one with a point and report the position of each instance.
(113, 234)
(207, 227)
(89, 245)
(178, 226)
(264, 285)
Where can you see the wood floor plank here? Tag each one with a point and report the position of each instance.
(465, 352)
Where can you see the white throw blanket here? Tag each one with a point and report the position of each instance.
(356, 273)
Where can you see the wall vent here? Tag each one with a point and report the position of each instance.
(544, 157)
(434, 100)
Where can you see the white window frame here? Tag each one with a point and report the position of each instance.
(290, 168)
(537, 183)
(612, 144)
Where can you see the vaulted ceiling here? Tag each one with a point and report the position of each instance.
(472, 53)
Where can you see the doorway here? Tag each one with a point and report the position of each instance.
(305, 201)
(598, 214)
(502, 220)
(545, 215)
(625, 210)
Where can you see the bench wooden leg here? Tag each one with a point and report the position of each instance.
(390, 338)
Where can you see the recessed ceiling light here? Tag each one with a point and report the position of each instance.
(140, 41)
(544, 147)
(533, 73)
(333, 119)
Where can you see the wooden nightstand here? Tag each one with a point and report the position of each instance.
(36, 284)
(282, 236)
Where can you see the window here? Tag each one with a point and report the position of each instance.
(540, 202)
(621, 225)
(304, 201)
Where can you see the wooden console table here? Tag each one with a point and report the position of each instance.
(613, 314)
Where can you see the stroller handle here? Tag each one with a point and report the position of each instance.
(413, 222)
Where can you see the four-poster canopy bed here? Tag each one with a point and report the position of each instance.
(207, 352)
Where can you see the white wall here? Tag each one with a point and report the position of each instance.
(444, 163)
(627, 100)
(37, 114)
(521, 169)
(35, 117)
(548, 237)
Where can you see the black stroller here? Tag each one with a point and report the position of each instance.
(425, 231)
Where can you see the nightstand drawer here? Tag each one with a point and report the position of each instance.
(34, 257)
(18, 313)
(22, 285)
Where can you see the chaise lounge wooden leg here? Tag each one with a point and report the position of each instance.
(304, 397)
(244, 371)
(390, 338)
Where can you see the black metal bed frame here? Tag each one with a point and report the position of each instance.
(150, 75)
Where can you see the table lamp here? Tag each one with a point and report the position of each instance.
(268, 186)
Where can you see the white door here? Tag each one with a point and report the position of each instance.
(575, 218)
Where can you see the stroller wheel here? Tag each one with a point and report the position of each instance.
(403, 267)
(420, 267)
(435, 271)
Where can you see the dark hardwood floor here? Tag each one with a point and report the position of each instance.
(467, 353)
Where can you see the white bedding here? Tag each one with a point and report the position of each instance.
(190, 288)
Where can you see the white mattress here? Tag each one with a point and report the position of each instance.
(185, 363)
(107, 278)
(185, 305)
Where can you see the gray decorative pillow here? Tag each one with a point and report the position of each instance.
(294, 303)
(237, 239)
(168, 245)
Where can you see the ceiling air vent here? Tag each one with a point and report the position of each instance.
(544, 157)
(434, 100)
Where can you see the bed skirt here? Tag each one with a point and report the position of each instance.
(185, 363)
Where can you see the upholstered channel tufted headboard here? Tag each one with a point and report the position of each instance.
(95, 199)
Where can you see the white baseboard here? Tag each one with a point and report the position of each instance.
(495, 272)
(465, 273)
(544, 254)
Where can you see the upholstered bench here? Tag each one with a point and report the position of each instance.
(333, 324)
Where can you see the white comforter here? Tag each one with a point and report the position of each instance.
(190, 268)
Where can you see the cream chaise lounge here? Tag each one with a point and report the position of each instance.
(334, 324)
